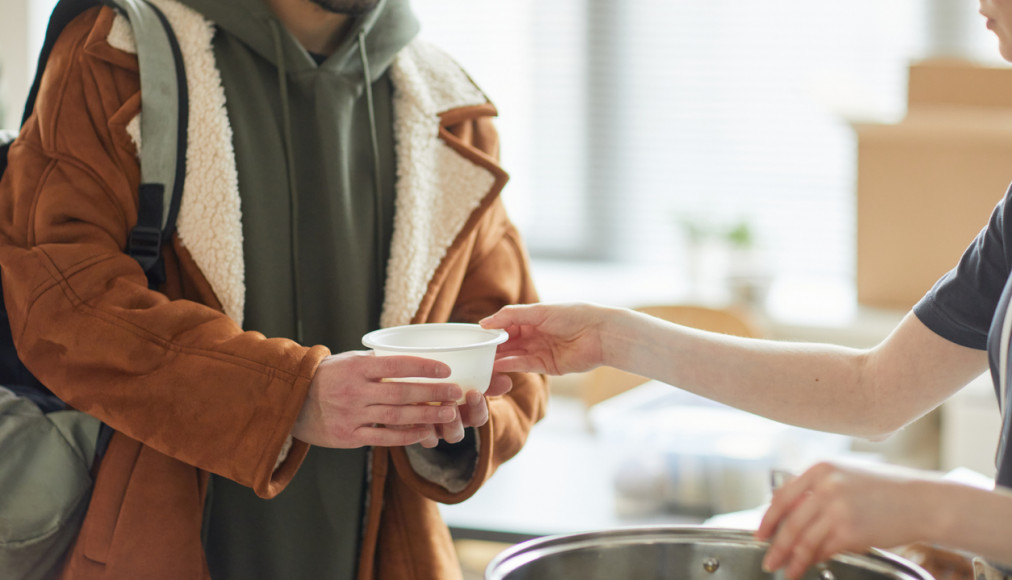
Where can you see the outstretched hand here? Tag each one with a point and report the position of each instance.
(555, 339)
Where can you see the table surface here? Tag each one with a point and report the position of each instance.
(559, 483)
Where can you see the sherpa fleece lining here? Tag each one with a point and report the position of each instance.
(209, 224)
(437, 188)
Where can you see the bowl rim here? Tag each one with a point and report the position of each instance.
(496, 336)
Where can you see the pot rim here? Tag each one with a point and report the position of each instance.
(518, 555)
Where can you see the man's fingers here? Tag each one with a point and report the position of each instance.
(499, 385)
(407, 393)
(405, 367)
(474, 412)
(430, 440)
(452, 432)
(379, 436)
(399, 415)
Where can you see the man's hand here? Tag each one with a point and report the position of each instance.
(473, 412)
(350, 405)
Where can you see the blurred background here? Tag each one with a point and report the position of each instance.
(644, 136)
(640, 134)
(809, 168)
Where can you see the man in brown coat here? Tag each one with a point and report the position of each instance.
(341, 175)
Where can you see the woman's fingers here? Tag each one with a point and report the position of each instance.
(787, 541)
(513, 316)
(809, 547)
(524, 363)
(784, 501)
(833, 508)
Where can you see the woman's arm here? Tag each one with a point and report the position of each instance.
(867, 393)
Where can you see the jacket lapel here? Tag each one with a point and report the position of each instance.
(437, 188)
(209, 224)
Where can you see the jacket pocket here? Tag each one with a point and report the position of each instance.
(111, 482)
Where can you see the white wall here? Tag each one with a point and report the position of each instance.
(22, 29)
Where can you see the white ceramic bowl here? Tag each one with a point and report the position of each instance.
(468, 349)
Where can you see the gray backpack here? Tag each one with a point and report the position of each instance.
(48, 449)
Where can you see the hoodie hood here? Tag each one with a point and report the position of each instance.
(387, 29)
(316, 165)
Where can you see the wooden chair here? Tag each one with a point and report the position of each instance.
(605, 382)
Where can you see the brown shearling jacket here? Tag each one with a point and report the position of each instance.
(186, 389)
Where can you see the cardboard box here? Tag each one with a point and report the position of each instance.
(950, 82)
(927, 185)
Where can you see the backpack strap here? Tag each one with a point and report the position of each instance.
(164, 116)
(164, 96)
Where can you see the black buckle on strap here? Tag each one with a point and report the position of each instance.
(145, 245)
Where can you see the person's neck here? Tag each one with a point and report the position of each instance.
(317, 30)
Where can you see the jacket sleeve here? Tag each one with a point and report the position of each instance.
(174, 374)
(511, 416)
(496, 273)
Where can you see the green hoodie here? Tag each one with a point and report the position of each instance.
(316, 164)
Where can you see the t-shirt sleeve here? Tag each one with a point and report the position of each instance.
(962, 304)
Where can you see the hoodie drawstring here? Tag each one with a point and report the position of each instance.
(286, 124)
(290, 166)
(377, 197)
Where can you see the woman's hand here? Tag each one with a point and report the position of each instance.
(549, 338)
(832, 508)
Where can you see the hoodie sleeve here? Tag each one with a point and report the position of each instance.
(174, 374)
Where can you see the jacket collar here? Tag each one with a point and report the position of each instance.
(437, 188)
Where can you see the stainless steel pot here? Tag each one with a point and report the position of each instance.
(679, 553)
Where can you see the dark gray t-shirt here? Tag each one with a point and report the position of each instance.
(968, 304)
